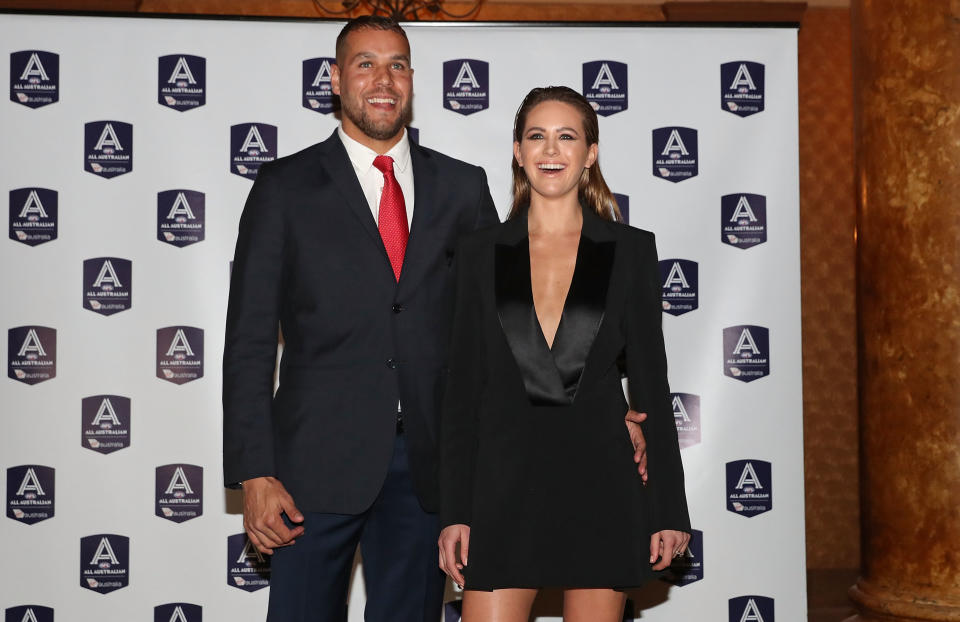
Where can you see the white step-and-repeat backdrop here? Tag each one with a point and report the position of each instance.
(130, 145)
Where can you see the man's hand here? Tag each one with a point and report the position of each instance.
(449, 537)
(666, 545)
(264, 499)
(633, 420)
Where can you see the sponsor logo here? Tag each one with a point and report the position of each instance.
(31, 354)
(104, 562)
(178, 612)
(686, 414)
(675, 153)
(179, 354)
(741, 87)
(623, 202)
(678, 279)
(317, 90)
(105, 425)
(466, 85)
(179, 492)
(34, 78)
(605, 86)
(28, 613)
(251, 144)
(30, 493)
(33, 215)
(750, 609)
(749, 487)
(247, 568)
(746, 352)
(182, 81)
(743, 219)
(687, 568)
(181, 217)
(108, 148)
(107, 285)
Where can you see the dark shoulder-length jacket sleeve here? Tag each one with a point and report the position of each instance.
(650, 391)
(465, 379)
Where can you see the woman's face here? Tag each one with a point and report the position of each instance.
(553, 149)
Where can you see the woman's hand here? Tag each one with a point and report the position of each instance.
(449, 538)
(666, 545)
(633, 420)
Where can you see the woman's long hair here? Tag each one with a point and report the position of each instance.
(593, 190)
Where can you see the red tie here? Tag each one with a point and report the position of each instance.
(392, 217)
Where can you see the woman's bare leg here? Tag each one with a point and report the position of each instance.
(600, 605)
(506, 605)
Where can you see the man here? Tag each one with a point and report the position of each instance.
(347, 448)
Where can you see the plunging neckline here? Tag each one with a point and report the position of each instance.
(566, 296)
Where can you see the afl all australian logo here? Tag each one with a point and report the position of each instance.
(33, 215)
(34, 78)
(30, 493)
(746, 351)
(178, 612)
(743, 219)
(180, 217)
(317, 88)
(751, 608)
(31, 354)
(105, 425)
(104, 562)
(605, 86)
(251, 144)
(247, 568)
(107, 285)
(179, 492)
(466, 85)
(741, 87)
(29, 613)
(179, 354)
(675, 153)
(108, 148)
(749, 487)
(678, 281)
(182, 81)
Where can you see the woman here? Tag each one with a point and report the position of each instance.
(537, 478)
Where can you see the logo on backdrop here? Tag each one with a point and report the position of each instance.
(34, 78)
(180, 217)
(33, 215)
(179, 353)
(104, 562)
(178, 612)
(317, 90)
(28, 613)
(107, 285)
(105, 423)
(466, 85)
(623, 202)
(247, 568)
(743, 219)
(179, 492)
(108, 148)
(687, 568)
(675, 153)
(605, 86)
(182, 81)
(751, 609)
(749, 487)
(251, 144)
(746, 352)
(453, 611)
(414, 134)
(741, 87)
(30, 493)
(686, 414)
(678, 278)
(31, 354)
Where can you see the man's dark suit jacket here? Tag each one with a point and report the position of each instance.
(310, 260)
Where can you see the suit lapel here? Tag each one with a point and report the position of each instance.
(337, 163)
(426, 183)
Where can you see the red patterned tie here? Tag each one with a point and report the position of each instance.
(392, 217)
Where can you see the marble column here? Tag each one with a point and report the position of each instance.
(907, 115)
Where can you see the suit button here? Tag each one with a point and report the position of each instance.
(397, 308)
(392, 364)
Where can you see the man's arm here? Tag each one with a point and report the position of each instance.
(486, 210)
(249, 359)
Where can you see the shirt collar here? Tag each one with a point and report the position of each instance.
(362, 156)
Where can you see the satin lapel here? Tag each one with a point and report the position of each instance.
(337, 163)
(518, 318)
(425, 189)
(583, 310)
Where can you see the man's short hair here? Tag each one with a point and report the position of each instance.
(372, 22)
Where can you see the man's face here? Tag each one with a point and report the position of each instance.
(375, 84)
